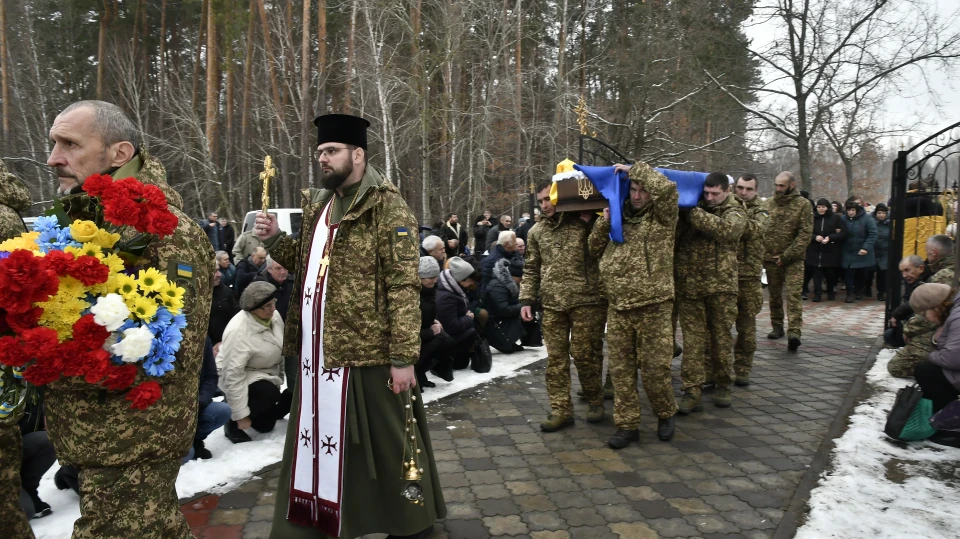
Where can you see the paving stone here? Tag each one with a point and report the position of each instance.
(496, 507)
(229, 517)
(619, 512)
(749, 520)
(237, 499)
(639, 494)
(484, 477)
(474, 529)
(550, 535)
(691, 506)
(566, 500)
(673, 527)
(674, 490)
(633, 530)
(711, 524)
(559, 484)
(592, 532)
(261, 512)
(536, 502)
(543, 520)
(505, 525)
(655, 509)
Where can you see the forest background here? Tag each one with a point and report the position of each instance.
(471, 101)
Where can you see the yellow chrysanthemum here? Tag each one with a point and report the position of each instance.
(143, 308)
(174, 305)
(114, 262)
(126, 286)
(171, 290)
(150, 280)
(106, 239)
(83, 231)
(91, 249)
(70, 287)
(26, 242)
(61, 311)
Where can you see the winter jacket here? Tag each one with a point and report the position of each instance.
(947, 351)
(454, 232)
(371, 316)
(227, 238)
(493, 235)
(558, 269)
(707, 243)
(501, 298)
(486, 267)
(228, 276)
(524, 230)
(452, 308)
(942, 270)
(861, 234)
(480, 236)
(212, 228)
(245, 245)
(428, 312)
(246, 272)
(208, 376)
(639, 271)
(285, 288)
(904, 311)
(750, 255)
(222, 311)
(826, 225)
(251, 351)
(791, 223)
(882, 245)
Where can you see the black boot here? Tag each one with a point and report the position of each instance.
(816, 297)
(793, 343)
(776, 333)
(200, 450)
(665, 429)
(831, 296)
(235, 434)
(849, 297)
(623, 438)
(443, 369)
(881, 296)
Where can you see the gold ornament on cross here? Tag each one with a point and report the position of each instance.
(269, 172)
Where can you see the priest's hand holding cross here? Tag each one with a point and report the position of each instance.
(266, 226)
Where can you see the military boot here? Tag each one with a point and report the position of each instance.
(722, 398)
(622, 438)
(793, 343)
(849, 297)
(709, 383)
(677, 350)
(555, 423)
(690, 402)
(608, 388)
(742, 380)
(665, 429)
(595, 414)
(776, 333)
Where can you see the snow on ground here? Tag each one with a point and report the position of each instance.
(232, 465)
(879, 489)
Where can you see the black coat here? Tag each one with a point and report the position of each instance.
(826, 256)
(452, 309)
(428, 312)
(501, 298)
(227, 238)
(447, 233)
(208, 376)
(286, 289)
(486, 267)
(222, 310)
(883, 243)
(480, 236)
(525, 229)
(246, 272)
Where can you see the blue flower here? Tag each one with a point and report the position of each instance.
(158, 365)
(4, 254)
(45, 223)
(161, 320)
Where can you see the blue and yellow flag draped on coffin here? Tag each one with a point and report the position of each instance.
(615, 187)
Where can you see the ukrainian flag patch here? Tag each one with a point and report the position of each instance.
(402, 231)
(183, 270)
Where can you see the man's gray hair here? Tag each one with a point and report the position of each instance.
(221, 254)
(270, 262)
(506, 236)
(431, 242)
(941, 242)
(110, 122)
(914, 260)
(259, 249)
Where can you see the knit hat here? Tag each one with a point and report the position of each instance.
(880, 207)
(460, 269)
(824, 202)
(256, 295)
(927, 296)
(428, 267)
(516, 267)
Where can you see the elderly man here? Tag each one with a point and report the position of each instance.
(521, 247)
(248, 268)
(914, 273)
(128, 460)
(355, 327)
(506, 248)
(786, 241)
(433, 246)
(228, 272)
(494, 232)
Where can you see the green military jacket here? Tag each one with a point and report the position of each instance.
(372, 315)
(942, 270)
(14, 198)
(790, 228)
(750, 255)
(707, 246)
(639, 271)
(558, 268)
(91, 426)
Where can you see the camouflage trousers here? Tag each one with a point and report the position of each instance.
(641, 337)
(706, 323)
(791, 277)
(12, 518)
(578, 333)
(920, 334)
(749, 303)
(139, 500)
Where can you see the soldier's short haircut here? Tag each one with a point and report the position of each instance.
(431, 242)
(545, 184)
(717, 179)
(110, 122)
(506, 236)
(914, 260)
(748, 177)
(941, 242)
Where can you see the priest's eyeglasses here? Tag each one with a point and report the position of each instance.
(329, 151)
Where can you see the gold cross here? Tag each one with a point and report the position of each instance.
(269, 172)
(324, 262)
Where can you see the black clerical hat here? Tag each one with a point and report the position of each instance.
(342, 128)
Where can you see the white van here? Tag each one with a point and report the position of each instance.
(289, 220)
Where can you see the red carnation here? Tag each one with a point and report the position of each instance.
(154, 197)
(121, 211)
(144, 395)
(59, 261)
(41, 343)
(119, 377)
(97, 184)
(133, 188)
(89, 270)
(161, 223)
(11, 354)
(70, 359)
(24, 279)
(20, 322)
(97, 364)
(88, 333)
(41, 374)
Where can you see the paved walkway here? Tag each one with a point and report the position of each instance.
(727, 473)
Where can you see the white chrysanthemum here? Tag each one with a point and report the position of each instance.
(110, 311)
(136, 343)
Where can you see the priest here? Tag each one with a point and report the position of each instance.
(358, 458)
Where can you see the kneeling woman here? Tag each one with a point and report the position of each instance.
(252, 364)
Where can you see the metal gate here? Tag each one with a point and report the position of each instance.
(933, 166)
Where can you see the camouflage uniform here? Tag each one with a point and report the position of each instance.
(638, 277)
(559, 270)
(707, 269)
(14, 198)
(371, 322)
(788, 235)
(128, 460)
(918, 331)
(750, 289)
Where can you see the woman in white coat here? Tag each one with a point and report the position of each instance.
(251, 364)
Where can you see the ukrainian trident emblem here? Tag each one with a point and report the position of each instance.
(584, 187)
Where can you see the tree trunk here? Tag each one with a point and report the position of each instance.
(4, 79)
(561, 50)
(272, 61)
(848, 170)
(213, 84)
(162, 58)
(322, 56)
(306, 171)
(245, 170)
(102, 47)
(196, 61)
(350, 53)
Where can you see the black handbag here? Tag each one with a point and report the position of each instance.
(482, 358)
(909, 419)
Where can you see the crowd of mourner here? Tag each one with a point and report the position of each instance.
(558, 279)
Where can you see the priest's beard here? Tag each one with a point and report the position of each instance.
(334, 178)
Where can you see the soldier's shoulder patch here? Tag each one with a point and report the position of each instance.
(184, 275)
(404, 247)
